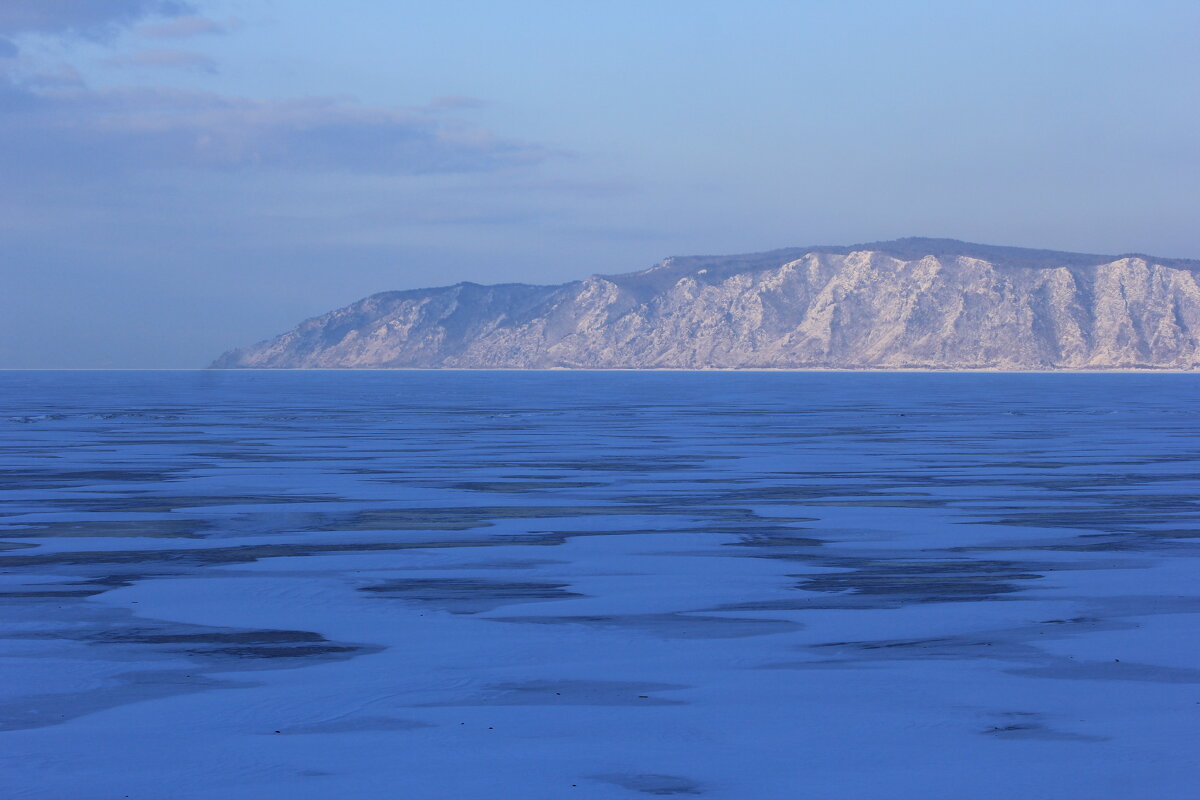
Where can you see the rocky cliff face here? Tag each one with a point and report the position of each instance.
(908, 304)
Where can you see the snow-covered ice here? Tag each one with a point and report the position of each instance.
(750, 586)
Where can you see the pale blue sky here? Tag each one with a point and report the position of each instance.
(184, 177)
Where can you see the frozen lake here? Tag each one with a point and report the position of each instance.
(749, 586)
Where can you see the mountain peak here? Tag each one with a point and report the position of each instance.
(1004, 308)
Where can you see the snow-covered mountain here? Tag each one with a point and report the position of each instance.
(905, 304)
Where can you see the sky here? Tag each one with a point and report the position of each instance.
(180, 177)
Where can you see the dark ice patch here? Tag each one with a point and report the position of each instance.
(470, 595)
(650, 783)
(901, 581)
(1030, 725)
(520, 487)
(991, 645)
(569, 693)
(212, 637)
(357, 725)
(146, 503)
(680, 625)
(116, 529)
(467, 517)
(85, 588)
(244, 554)
(1068, 669)
(1110, 513)
(57, 479)
(223, 644)
(39, 711)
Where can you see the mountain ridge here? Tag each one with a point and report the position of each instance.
(914, 303)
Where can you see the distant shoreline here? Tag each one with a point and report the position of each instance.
(869, 371)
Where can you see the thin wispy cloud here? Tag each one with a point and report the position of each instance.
(58, 77)
(186, 27)
(456, 102)
(55, 123)
(171, 59)
(83, 17)
(124, 130)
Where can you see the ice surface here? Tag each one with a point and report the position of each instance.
(599, 585)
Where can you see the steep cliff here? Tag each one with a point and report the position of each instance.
(907, 304)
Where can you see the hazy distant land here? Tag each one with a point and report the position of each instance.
(905, 304)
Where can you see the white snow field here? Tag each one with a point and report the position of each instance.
(748, 586)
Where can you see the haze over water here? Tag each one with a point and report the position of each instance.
(598, 585)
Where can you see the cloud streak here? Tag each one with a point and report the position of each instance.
(54, 124)
(171, 59)
(77, 131)
(83, 17)
(186, 27)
